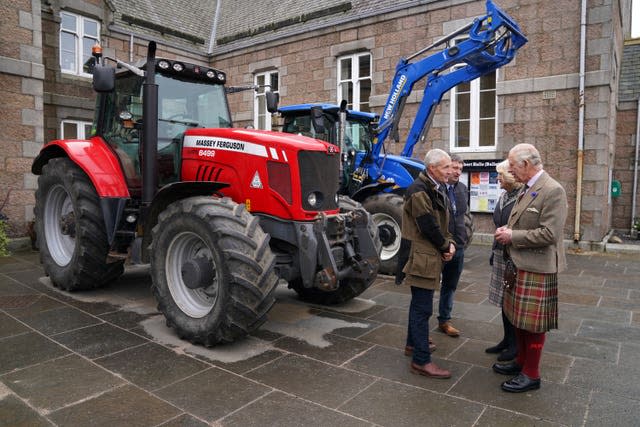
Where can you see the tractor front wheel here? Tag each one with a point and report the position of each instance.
(213, 271)
(386, 210)
(70, 229)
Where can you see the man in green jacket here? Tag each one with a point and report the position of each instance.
(425, 221)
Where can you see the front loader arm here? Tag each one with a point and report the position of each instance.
(492, 41)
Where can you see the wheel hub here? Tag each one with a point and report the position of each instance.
(197, 273)
(387, 234)
(68, 224)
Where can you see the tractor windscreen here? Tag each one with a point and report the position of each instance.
(183, 104)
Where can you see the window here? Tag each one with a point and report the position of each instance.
(354, 81)
(75, 129)
(267, 81)
(77, 36)
(473, 115)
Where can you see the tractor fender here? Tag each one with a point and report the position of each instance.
(167, 195)
(95, 158)
(370, 189)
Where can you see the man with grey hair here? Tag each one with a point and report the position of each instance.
(533, 240)
(425, 219)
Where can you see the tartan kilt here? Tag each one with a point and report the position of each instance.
(496, 288)
(532, 304)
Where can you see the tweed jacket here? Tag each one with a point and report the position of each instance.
(537, 222)
(425, 218)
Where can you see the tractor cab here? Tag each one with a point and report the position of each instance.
(189, 96)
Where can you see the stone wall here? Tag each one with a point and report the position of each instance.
(21, 109)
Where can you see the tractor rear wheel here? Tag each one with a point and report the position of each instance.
(212, 268)
(386, 210)
(349, 288)
(70, 229)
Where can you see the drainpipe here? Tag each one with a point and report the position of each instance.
(583, 43)
(635, 170)
(131, 48)
(214, 27)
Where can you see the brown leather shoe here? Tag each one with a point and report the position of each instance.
(430, 370)
(408, 350)
(448, 329)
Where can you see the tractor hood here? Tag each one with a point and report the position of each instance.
(234, 137)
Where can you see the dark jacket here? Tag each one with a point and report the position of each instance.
(503, 210)
(425, 216)
(457, 226)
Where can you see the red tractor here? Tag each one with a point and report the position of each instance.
(221, 214)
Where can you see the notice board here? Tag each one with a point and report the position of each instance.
(481, 178)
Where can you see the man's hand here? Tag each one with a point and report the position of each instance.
(447, 256)
(503, 235)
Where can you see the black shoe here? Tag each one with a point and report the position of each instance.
(511, 368)
(520, 384)
(508, 354)
(496, 348)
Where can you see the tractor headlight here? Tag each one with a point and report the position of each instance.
(315, 199)
(312, 200)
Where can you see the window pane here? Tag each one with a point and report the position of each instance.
(69, 130)
(365, 93)
(487, 133)
(87, 44)
(347, 93)
(463, 87)
(364, 69)
(463, 104)
(67, 51)
(68, 22)
(345, 69)
(91, 28)
(487, 104)
(462, 134)
(274, 82)
(87, 130)
(260, 79)
(488, 81)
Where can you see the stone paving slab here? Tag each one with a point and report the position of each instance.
(106, 357)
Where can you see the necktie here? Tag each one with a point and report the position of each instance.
(452, 198)
(522, 193)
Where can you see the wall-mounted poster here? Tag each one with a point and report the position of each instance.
(484, 189)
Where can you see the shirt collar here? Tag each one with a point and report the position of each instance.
(534, 178)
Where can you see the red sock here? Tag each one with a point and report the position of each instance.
(534, 344)
(521, 346)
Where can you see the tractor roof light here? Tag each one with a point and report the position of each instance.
(178, 67)
(210, 74)
(163, 64)
(221, 77)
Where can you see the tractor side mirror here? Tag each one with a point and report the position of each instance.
(272, 101)
(317, 119)
(104, 79)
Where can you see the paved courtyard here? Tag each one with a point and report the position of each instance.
(106, 358)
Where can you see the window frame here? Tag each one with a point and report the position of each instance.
(474, 115)
(259, 94)
(79, 35)
(81, 126)
(355, 79)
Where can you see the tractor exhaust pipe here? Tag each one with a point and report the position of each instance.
(150, 129)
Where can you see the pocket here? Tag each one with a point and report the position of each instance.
(424, 263)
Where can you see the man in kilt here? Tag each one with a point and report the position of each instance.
(533, 238)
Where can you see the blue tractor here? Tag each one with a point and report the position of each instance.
(369, 174)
